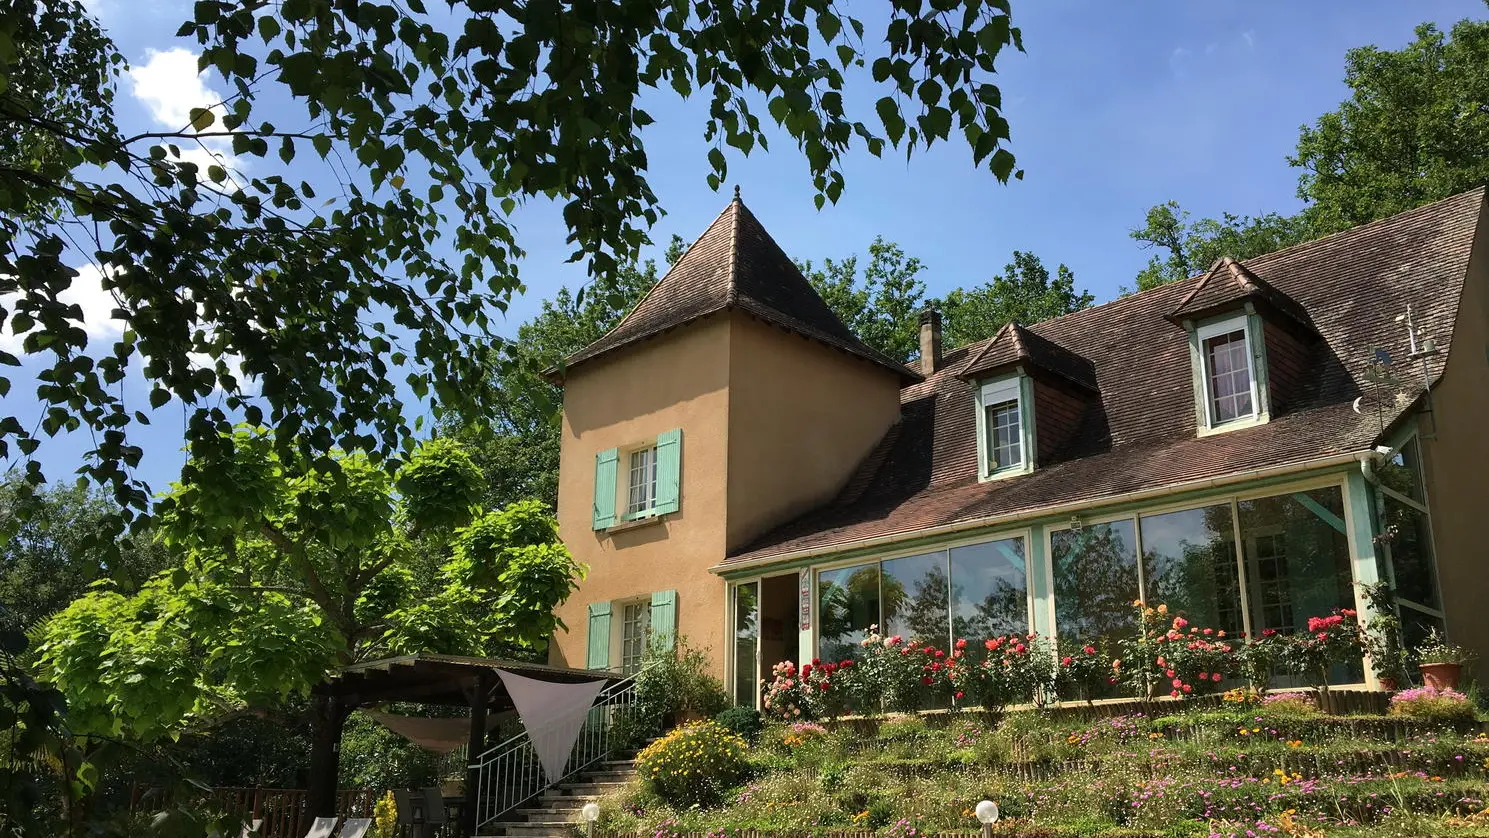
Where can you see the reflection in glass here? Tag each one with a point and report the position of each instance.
(1189, 562)
(989, 590)
(847, 604)
(1403, 472)
(1095, 582)
(746, 642)
(1297, 561)
(1411, 553)
(912, 592)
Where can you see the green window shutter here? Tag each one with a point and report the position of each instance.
(669, 470)
(599, 636)
(606, 464)
(664, 619)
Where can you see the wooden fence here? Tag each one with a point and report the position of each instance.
(283, 811)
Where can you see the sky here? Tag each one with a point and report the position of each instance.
(1113, 108)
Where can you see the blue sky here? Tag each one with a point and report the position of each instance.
(1114, 107)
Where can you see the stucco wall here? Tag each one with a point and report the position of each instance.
(1457, 464)
(677, 380)
(802, 417)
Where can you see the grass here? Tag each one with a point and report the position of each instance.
(1216, 772)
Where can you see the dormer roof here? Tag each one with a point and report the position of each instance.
(735, 264)
(1014, 345)
(1229, 284)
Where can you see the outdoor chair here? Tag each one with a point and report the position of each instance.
(252, 828)
(322, 828)
(355, 827)
(434, 805)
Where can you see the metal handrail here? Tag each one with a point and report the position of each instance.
(508, 774)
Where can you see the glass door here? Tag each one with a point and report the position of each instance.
(746, 681)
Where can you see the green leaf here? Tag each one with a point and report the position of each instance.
(828, 25)
(889, 114)
(202, 119)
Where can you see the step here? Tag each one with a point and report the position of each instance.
(616, 775)
(521, 830)
(583, 789)
(560, 804)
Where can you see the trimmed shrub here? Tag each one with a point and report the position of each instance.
(1433, 705)
(744, 721)
(694, 764)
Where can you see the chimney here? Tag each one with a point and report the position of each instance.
(930, 341)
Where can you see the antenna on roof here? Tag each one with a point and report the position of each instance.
(1427, 349)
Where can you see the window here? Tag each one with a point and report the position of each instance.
(635, 625)
(641, 491)
(1229, 380)
(971, 591)
(746, 643)
(1003, 432)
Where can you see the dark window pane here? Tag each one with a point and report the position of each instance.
(1410, 546)
(847, 604)
(1297, 561)
(913, 593)
(1403, 472)
(989, 590)
(1189, 562)
(746, 641)
(1095, 582)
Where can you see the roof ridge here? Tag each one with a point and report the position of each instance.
(986, 345)
(731, 284)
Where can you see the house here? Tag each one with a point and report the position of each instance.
(1249, 446)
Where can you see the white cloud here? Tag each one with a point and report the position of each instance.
(169, 85)
(88, 294)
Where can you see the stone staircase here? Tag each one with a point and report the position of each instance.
(556, 813)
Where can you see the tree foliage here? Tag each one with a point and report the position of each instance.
(1024, 293)
(881, 306)
(517, 445)
(296, 275)
(1191, 247)
(1414, 129)
(297, 572)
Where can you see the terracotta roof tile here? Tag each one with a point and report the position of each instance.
(1015, 344)
(736, 264)
(1140, 433)
(1227, 284)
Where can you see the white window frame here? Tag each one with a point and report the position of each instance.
(618, 610)
(1009, 388)
(1240, 323)
(623, 486)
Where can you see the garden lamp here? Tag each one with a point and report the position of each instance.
(987, 814)
(590, 813)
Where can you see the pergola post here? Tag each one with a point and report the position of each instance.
(477, 743)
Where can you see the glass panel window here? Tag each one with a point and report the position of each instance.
(1095, 582)
(1403, 472)
(1005, 437)
(847, 604)
(1228, 376)
(913, 592)
(1297, 561)
(635, 624)
(746, 643)
(641, 493)
(1409, 544)
(1189, 562)
(989, 590)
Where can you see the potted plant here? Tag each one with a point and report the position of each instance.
(1441, 662)
(1388, 655)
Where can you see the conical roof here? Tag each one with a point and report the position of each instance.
(735, 264)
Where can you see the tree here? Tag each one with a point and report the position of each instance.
(517, 447)
(298, 572)
(882, 309)
(1023, 293)
(255, 281)
(1192, 247)
(1415, 129)
(58, 545)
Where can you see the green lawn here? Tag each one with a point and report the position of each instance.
(1241, 771)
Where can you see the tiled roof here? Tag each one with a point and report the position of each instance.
(735, 264)
(1227, 284)
(1140, 434)
(1015, 344)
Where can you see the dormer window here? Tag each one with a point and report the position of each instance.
(1230, 380)
(1004, 429)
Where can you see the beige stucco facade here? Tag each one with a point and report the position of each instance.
(1457, 465)
(772, 424)
(801, 419)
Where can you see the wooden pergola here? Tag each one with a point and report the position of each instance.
(443, 681)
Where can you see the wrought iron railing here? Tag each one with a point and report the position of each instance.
(509, 774)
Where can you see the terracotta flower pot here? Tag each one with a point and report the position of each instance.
(1441, 676)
